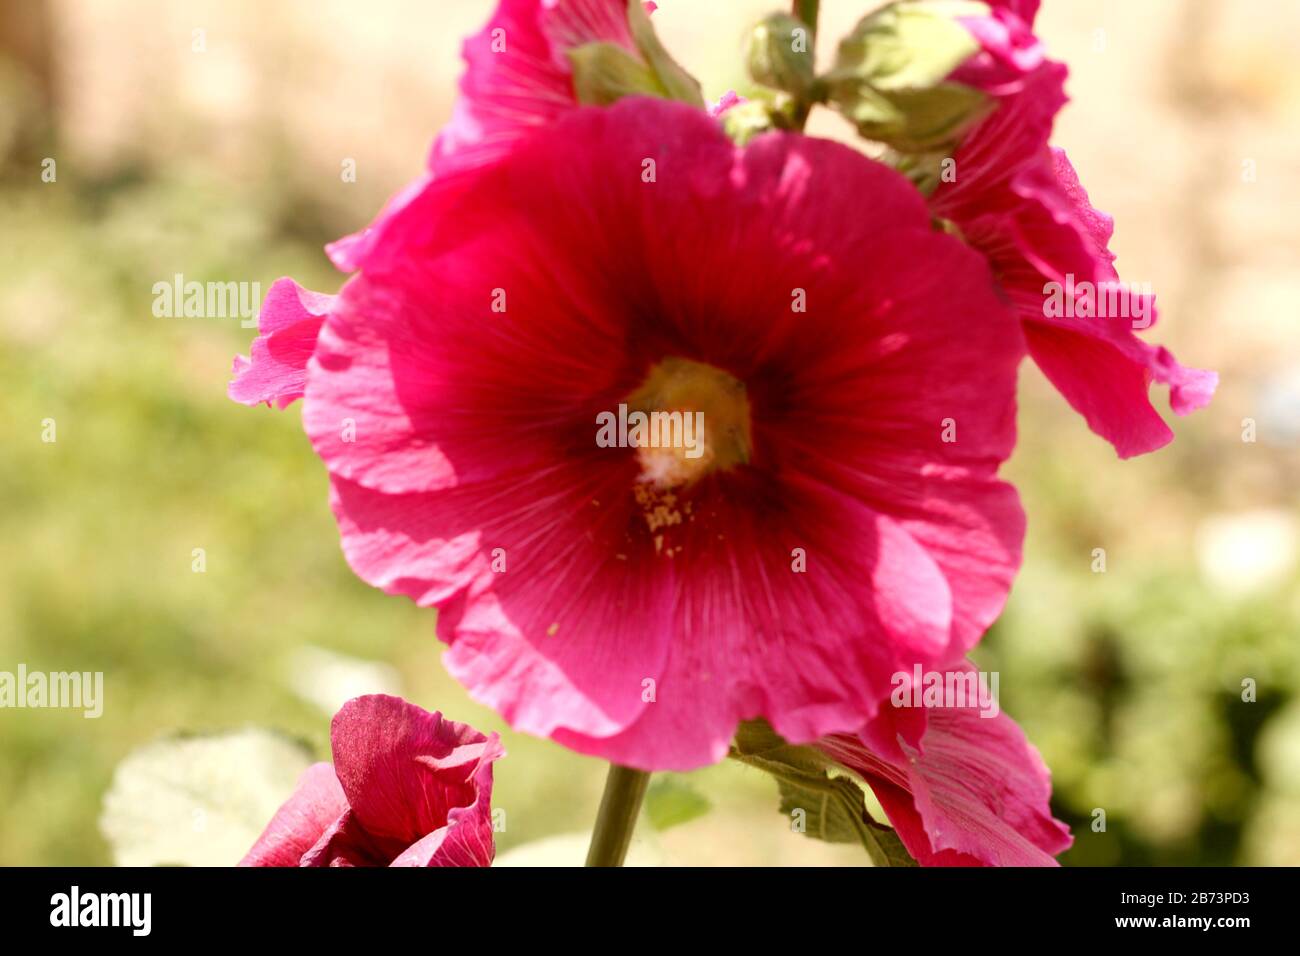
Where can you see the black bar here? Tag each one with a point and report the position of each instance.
(837, 906)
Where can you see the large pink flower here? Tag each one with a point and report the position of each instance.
(1019, 202)
(960, 787)
(856, 372)
(407, 788)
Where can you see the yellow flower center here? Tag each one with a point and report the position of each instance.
(697, 420)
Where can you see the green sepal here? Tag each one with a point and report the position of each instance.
(676, 82)
(604, 73)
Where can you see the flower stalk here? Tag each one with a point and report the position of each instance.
(616, 819)
(808, 11)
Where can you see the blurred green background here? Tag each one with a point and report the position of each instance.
(223, 164)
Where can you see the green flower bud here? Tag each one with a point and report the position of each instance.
(780, 55)
(890, 75)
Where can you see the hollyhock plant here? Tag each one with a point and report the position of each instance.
(583, 250)
(407, 788)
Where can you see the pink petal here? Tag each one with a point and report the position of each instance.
(518, 79)
(726, 102)
(467, 839)
(1009, 52)
(288, 323)
(408, 774)
(975, 792)
(347, 843)
(1099, 364)
(743, 632)
(352, 252)
(995, 156)
(1026, 10)
(506, 94)
(314, 808)
(567, 633)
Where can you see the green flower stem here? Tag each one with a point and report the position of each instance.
(624, 790)
(808, 11)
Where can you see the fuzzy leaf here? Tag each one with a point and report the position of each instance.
(198, 801)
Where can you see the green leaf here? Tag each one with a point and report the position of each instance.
(671, 801)
(825, 797)
(199, 801)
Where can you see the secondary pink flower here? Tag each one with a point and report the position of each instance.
(518, 79)
(518, 76)
(960, 789)
(856, 371)
(408, 788)
(1020, 203)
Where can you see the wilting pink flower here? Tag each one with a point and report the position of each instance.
(1020, 203)
(856, 373)
(407, 788)
(961, 788)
